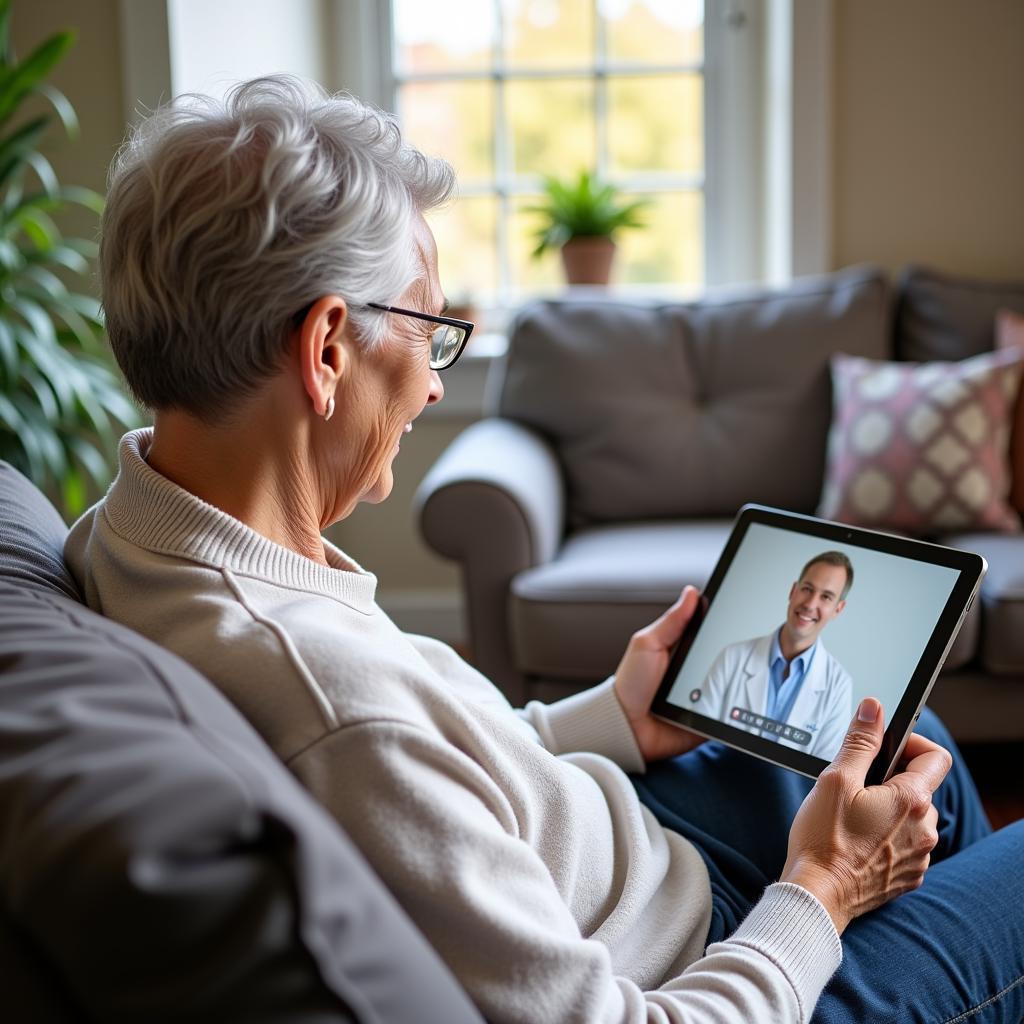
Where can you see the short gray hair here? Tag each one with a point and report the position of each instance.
(226, 219)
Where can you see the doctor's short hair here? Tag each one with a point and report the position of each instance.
(840, 561)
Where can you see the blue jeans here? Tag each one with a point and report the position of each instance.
(952, 951)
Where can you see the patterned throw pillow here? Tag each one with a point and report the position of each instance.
(922, 447)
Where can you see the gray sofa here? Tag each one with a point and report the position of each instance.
(626, 436)
(157, 862)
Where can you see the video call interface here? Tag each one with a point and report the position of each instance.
(802, 629)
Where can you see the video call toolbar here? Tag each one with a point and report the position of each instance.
(770, 725)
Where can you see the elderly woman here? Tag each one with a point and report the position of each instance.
(272, 294)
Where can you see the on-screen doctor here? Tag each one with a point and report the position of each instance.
(788, 677)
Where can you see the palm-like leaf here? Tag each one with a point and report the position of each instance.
(583, 207)
(60, 401)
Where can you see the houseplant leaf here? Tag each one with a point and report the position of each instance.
(63, 107)
(582, 207)
(61, 404)
(18, 81)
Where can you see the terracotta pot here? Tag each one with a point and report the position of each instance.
(588, 259)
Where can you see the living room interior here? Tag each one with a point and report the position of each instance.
(880, 145)
(901, 152)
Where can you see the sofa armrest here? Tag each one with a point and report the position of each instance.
(495, 503)
(509, 475)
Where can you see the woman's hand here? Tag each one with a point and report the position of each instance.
(641, 670)
(855, 848)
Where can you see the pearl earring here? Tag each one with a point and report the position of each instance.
(329, 411)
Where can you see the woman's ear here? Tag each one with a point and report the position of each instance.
(323, 353)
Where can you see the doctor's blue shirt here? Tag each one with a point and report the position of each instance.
(782, 693)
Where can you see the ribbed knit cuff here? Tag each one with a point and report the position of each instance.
(594, 720)
(795, 932)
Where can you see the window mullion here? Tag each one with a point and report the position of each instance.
(600, 92)
(502, 170)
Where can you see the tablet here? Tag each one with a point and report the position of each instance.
(800, 621)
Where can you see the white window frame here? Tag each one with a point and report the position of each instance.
(731, 70)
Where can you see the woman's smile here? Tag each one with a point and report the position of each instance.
(398, 441)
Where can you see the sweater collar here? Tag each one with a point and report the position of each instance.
(154, 513)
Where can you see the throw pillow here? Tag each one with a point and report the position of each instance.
(922, 447)
(1009, 329)
(1010, 335)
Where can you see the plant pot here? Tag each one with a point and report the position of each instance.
(588, 259)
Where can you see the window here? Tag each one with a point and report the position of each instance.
(512, 90)
(670, 99)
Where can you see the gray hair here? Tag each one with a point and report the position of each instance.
(226, 219)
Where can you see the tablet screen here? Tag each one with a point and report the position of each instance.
(800, 628)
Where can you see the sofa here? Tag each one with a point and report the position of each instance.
(157, 862)
(622, 438)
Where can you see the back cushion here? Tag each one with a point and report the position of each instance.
(659, 411)
(941, 316)
(31, 536)
(157, 862)
(158, 859)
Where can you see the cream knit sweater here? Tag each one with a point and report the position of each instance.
(514, 840)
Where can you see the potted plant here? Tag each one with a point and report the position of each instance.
(581, 217)
(59, 399)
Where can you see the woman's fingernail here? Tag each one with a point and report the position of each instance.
(868, 710)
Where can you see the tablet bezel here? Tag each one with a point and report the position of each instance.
(971, 568)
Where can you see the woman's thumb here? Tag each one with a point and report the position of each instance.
(863, 739)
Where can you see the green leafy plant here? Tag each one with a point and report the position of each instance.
(583, 207)
(59, 399)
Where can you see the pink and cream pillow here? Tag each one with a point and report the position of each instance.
(922, 447)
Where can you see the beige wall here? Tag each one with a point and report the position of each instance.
(929, 134)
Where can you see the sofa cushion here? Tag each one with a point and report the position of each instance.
(979, 707)
(944, 316)
(571, 618)
(31, 536)
(659, 411)
(1001, 597)
(32, 985)
(154, 854)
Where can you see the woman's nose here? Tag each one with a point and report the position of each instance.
(436, 392)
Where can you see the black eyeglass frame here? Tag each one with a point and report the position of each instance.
(465, 325)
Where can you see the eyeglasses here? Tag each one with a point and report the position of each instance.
(448, 339)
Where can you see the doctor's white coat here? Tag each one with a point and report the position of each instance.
(738, 677)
